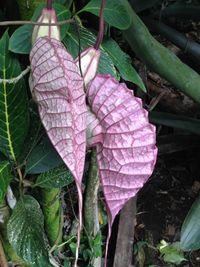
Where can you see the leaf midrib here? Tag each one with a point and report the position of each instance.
(6, 115)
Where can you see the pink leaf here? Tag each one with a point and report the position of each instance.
(57, 88)
(124, 138)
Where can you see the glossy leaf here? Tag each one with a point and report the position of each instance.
(5, 178)
(124, 138)
(122, 62)
(20, 41)
(87, 39)
(190, 231)
(116, 12)
(42, 158)
(14, 115)
(56, 178)
(26, 232)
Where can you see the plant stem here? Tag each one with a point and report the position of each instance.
(159, 59)
(52, 211)
(49, 4)
(91, 204)
(28, 22)
(101, 27)
(3, 261)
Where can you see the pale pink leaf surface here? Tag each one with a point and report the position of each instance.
(124, 138)
(57, 87)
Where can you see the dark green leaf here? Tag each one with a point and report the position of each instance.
(20, 41)
(140, 5)
(122, 62)
(87, 39)
(55, 178)
(116, 12)
(190, 232)
(26, 232)
(176, 121)
(5, 178)
(14, 115)
(171, 252)
(42, 158)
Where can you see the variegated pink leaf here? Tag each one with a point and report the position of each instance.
(125, 140)
(57, 88)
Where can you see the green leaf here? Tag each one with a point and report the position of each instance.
(122, 62)
(20, 41)
(171, 252)
(140, 5)
(116, 12)
(5, 178)
(87, 39)
(42, 158)
(176, 121)
(55, 178)
(190, 232)
(26, 232)
(14, 115)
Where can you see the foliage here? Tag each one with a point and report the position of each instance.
(113, 122)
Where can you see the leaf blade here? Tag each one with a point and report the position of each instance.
(87, 39)
(26, 232)
(56, 178)
(5, 178)
(190, 231)
(14, 115)
(116, 13)
(123, 63)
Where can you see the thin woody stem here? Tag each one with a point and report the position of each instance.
(21, 22)
(16, 79)
(101, 26)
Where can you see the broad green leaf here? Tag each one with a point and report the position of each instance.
(116, 12)
(5, 178)
(14, 115)
(42, 158)
(26, 232)
(171, 253)
(87, 39)
(55, 178)
(190, 232)
(122, 62)
(176, 121)
(20, 41)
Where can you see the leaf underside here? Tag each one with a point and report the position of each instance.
(124, 138)
(58, 89)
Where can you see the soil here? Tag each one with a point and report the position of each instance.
(164, 202)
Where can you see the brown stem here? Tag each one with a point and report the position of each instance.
(3, 261)
(101, 27)
(21, 22)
